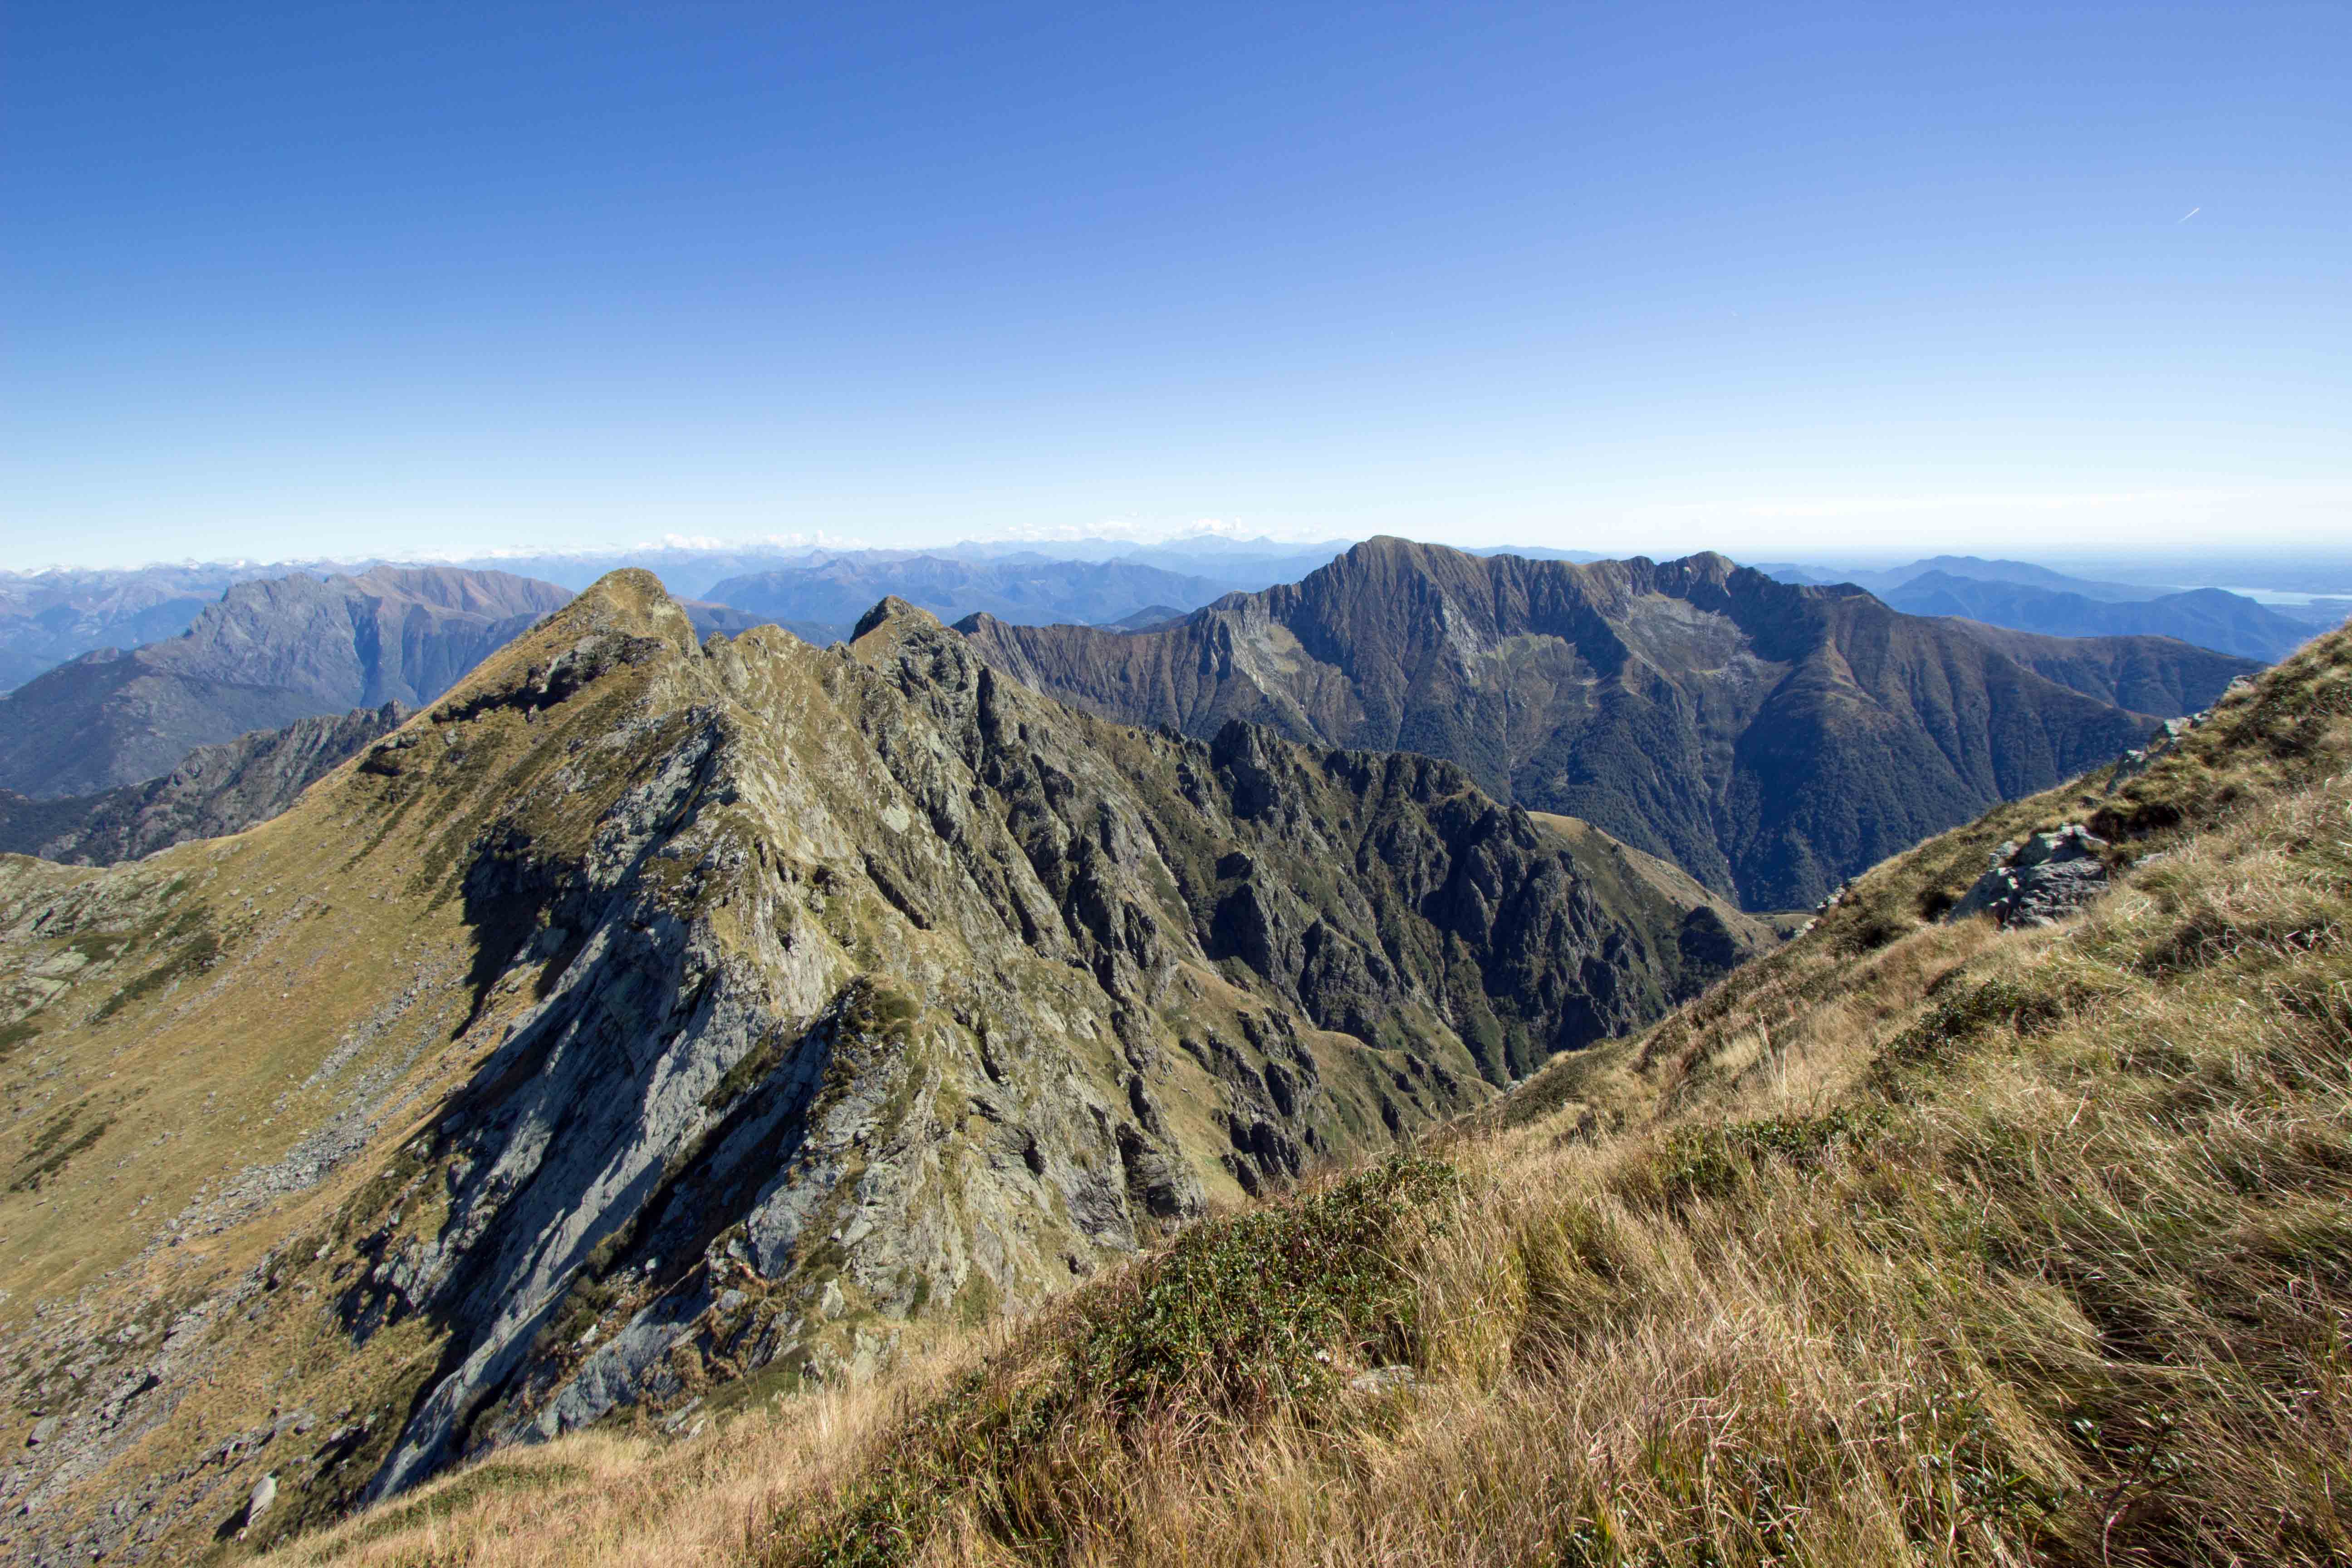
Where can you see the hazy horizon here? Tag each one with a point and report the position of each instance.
(2323, 570)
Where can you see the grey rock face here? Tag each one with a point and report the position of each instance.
(256, 1505)
(729, 1155)
(49, 617)
(1768, 740)
(2040, 881)
(2135, 762)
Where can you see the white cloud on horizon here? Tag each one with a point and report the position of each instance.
(1906, 525)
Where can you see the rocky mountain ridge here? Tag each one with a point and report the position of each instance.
(49, 617)
(655, 1018)
(1771, 739)
(827, 598)
(2203, 618)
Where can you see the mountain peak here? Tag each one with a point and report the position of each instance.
(1641, 696)
(631, 599)
(717, 1016)
(895, 614)
(628, 603)
(1387, 547)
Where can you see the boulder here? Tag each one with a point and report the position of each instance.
(2040, 881)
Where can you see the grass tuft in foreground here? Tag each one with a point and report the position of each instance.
(1260, 1312)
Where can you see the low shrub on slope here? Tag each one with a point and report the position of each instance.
(1910, 1243)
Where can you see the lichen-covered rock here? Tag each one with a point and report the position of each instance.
(2040, 881)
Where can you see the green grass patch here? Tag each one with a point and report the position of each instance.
(55, 1147)
(1956, 1022)
(1717, 1162)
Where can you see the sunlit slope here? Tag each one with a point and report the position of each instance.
(1913, 1242)
(654, 1025)
(1771, 740)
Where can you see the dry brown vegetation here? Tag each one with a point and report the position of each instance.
(1908, 1243)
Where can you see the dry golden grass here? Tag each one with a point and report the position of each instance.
(1911, 1244)
(630, 1495)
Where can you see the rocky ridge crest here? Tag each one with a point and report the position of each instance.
(653, 1019)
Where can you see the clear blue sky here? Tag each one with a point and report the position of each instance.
(345, 278)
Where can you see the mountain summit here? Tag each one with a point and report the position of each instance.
(1771, 738)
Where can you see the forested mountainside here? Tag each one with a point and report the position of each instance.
(2143, 674)
(269, 652)
(1771, 738)
(653, 1020)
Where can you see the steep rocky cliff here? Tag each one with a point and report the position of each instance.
(1769, 738)
(215, 791)
(47, 617)
(653, 1020)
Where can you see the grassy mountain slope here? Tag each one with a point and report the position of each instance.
(1770, 739)
(1912, 1243)
(653, 1021)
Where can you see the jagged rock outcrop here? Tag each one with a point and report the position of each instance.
(1770, 739)
(2168, 735)
(650, 1014)
(2040, 881)
(268, 653)
(215, 791)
